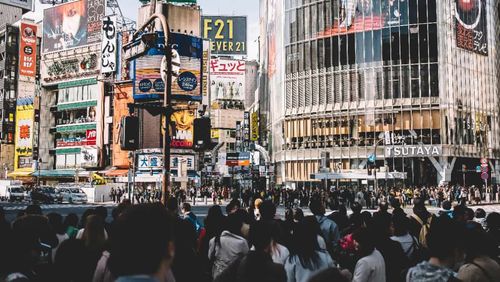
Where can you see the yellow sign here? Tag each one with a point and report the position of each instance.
(254, 126)
(214, 134)
(23, 155)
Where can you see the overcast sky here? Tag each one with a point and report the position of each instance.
(249, 8)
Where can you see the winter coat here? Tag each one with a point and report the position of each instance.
(297, 272)
(370, 268)
(329, 230)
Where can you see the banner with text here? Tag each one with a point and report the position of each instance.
(228, 35)
(227, 79)
(27, 50)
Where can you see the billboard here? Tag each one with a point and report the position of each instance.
(27, 50)
(187, 54)
(238, 159)
(108, 45)
(227, 79)
(24, 136)
(228, 35)
(72, 24)
(471, 25)
(89, 156)
(183, 119)
(23, 4)
(254, 135)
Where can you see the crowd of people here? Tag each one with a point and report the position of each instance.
(152, 242)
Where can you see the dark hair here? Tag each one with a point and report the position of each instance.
(342, 209)
(172, 205)
(328, 275)
(366, 218)
(234, 222)
(72, 262)
(102, 212)
(56, 221)
(141, 240)
(305, 243)
(288, 215)
(469, 213)
(214, 222)
(234, 203)
(298, 214)
(356, 207)
(447, 205)
(267, 210)
(71, 220)
(316, 207)
(459, 212)
(93, 234)
(478, 243)
(493, 220)
(480, 213)
(186, 207)
(86, 213)
(365, 241)
(400, 223)
(34, 209)
(383, 206)
(444, 237)
(260, 235)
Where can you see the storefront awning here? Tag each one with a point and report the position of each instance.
(116, 172)
(60, 173)
(16, 174)
(76, 105)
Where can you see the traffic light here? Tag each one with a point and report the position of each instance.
(129, 134)
(201, 136)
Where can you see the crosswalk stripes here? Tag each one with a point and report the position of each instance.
(51, 206)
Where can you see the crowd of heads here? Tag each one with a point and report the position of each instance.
(251, 243)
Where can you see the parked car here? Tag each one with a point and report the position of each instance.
(73, 195)
(46, 195)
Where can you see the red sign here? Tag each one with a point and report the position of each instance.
(91, 136)
(27, 50)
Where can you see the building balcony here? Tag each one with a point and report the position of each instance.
(75, 127)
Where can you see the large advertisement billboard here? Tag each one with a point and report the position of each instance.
(183, 119)
(27, 50)
(228, 35)
(470, 25)
(187, 56)
(72, 24)
(24, 136)
(227, 79)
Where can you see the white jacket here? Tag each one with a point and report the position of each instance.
(231, 248)
(370, 268)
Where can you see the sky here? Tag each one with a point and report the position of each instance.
(249, 8)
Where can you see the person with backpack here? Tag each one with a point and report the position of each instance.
(420, 221)
(445, 244)
(409, 243)
(191, 217)
(329, 228)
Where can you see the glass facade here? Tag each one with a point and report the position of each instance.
(361, 74)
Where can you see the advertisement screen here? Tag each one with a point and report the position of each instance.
(183, 119)
(27, 50)
(228, 35)
(470, 24)
(227, 79)
(187, 54)
(72, 24)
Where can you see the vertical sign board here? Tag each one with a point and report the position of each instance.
(227, 79)
(206, 70)
(471, 25)
(27, 50)
(228, 35)
(108, 45)
(183, 119)
(254, 128)
(72, 24)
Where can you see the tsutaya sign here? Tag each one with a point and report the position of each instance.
(413, 151)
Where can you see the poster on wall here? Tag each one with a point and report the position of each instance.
(27, 50)
(108, 45)
(228, 35)
(88, 157)
(471, 26)
(227, 79)
(72, 24)
(183, 119)
(187, 54)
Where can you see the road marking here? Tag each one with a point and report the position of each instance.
(56, 206)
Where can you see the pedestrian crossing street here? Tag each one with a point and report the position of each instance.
(54, 206)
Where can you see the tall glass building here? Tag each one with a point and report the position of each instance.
(407, 86)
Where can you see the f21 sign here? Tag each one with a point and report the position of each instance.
(108, 45)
